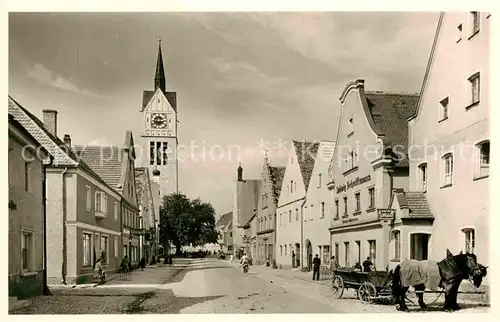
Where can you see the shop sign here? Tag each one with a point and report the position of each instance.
(386, 214)
(348, 220)
(353, 183)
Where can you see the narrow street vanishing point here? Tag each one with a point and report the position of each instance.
(213, 286)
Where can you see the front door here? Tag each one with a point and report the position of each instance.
(419, 246)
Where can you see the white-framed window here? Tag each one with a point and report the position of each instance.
(116, 209)
(459, 32)
(470, 239)
(104, 248)
(27, 177)
(100, 201)
(443, 109)
(281, 250)
(322, 209)
(116, 246)
(371, 197)
(475, 20)
(475, 87)
(27, 250)
(447, 161)
(422, 177)
(87, 249)
(357, 197)
(482, 160)
(397, 244)
(88, 197)
(345, 205)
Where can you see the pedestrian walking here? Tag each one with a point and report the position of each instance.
(316, 265)
(142, 263)
(293, 259)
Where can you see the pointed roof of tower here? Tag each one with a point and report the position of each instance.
(160, 71)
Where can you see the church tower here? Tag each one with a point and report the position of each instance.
(159, 131)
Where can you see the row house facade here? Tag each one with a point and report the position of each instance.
(450, 138)
(244, 206)
(317, 217)
(291, 203)
(225, 234)
(116, 165)
(271, 183)
(369, 161)
(250, 237)
(27, 162)
(82, 210)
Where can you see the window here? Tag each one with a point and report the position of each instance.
(291, 186)
(88, 197)
(165, 153)
(151, 153)
(286, 250)
(397, 244)
(448, 170)
(322, 210)
(475, 20)
(470, 240)
(27, 176)
(345, 205)
(474, 81)
(459, 32)
(87, 249)
(27, 251)
(281, 250)
(104, 249)
(337, 252)
(100, 201)
(116, 210)
(116, 246)
(443, 110)
(358, 249)
(125, 252)
(281, 219)
(97, 244)
(350, 126)
(311, 209)
(230, 234)
(371, 196)
(296, 214)
(423, 177)
(336, 208)
(357, 196)
(289, 216)
(158, 153)
(483, 162)
(347, 254)
(319, 180)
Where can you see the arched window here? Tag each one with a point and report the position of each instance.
(470, 239)
(482, 164)
(422, 177)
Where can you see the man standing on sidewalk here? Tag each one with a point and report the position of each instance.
(316, 265)
(293, 259)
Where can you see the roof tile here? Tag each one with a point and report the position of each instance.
(306, 156)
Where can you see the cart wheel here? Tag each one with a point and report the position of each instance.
(337, 286)
(367, 292)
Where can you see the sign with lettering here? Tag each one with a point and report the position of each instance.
(348, 220)
(353, 183)
(386, 214)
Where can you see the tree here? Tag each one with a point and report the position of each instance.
(185, 222)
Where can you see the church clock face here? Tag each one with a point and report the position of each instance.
(158, 121)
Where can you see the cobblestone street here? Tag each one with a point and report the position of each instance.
(212, 286)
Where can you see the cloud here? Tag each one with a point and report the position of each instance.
(45, 76)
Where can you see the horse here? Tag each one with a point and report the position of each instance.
(448, 273)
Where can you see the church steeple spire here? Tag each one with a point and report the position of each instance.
(160, 80)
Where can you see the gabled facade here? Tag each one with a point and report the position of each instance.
(265, 219)
(291, 203)
(82, 210)
(26, 212)
(223, 226)
(369, 161)
(116, 165)
(316, 221)
(245, 203)
(450, 136)
(158, 138)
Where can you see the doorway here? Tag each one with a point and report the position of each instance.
(309, 255)
(419, 246)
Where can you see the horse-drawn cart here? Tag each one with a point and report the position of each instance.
(369, 286)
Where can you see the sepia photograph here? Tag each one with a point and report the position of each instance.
(188, 162)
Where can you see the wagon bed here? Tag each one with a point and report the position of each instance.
(368, 285)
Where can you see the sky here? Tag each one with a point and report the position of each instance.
(242, 79)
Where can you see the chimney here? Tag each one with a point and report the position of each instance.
(50, 121)
(67, 140)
